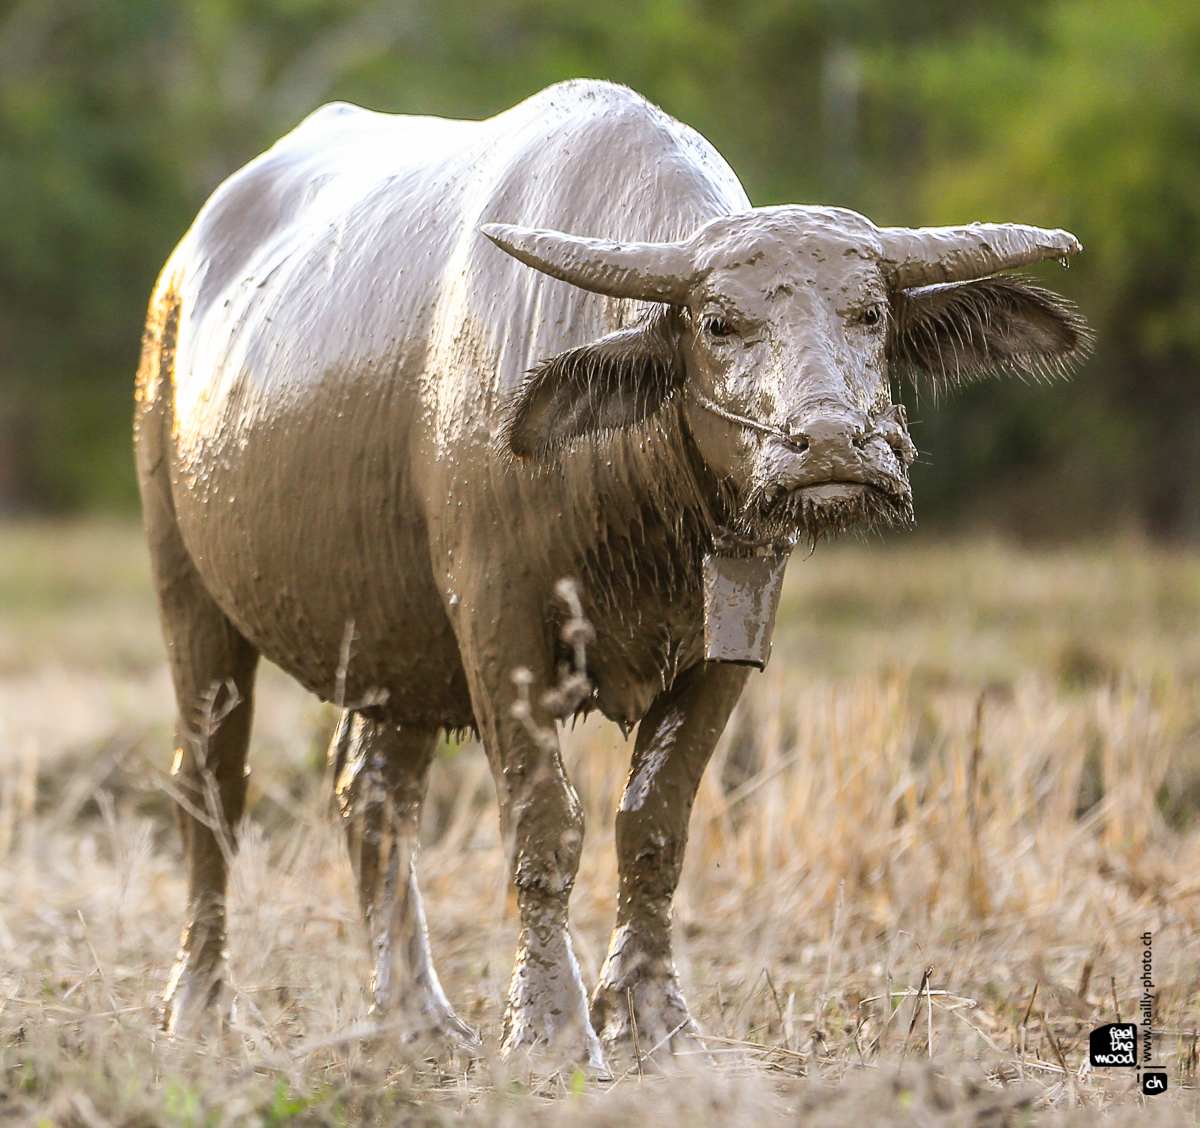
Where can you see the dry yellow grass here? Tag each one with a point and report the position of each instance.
(964, 757)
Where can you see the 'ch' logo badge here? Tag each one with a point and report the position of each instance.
(1154, 1083)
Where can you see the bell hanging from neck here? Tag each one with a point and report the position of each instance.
(741, 597)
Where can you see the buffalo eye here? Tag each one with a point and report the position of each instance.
(871, 316)
(717, 327)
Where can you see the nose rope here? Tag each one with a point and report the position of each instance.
(703, 401)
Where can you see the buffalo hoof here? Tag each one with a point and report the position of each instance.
(569, 1047)
(547, 1020)
(439, 1035)
(196, 1001)
(191, 1010)
(537, 1060)
(659, 1031)
(445, 1048)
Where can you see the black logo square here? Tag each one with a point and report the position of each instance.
(1114, 1044)
(1154, 1083)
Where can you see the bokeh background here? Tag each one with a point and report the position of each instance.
(118, 118)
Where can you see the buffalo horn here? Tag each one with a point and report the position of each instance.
(925, 255)
(648, 272)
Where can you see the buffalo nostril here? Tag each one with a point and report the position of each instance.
(798, 442)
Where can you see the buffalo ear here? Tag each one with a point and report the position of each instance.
(609, 385)
(956, 332)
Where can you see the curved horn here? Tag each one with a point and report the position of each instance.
(647, 272)
(924, 255)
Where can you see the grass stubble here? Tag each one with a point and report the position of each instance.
(920, 863)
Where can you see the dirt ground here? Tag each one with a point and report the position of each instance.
(921, 863)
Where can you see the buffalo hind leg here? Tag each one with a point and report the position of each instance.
(381, 771)
(674, 742)
(213, 669)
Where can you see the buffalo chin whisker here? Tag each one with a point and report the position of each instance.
(769, 515)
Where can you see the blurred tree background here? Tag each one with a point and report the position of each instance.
(118, 117)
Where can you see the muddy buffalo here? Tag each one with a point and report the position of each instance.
(403, 374)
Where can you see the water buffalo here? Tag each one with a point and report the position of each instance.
(403, 374)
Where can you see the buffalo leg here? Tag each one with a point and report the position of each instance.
(213, 669)
(674, 742)
(547, 1002)
(381, 774)
(541, 819)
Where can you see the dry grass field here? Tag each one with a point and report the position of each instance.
(919, 869)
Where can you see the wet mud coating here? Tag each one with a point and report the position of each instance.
(403, 374)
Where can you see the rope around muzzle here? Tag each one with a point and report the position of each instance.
(728, 542)
(794, 441)
(701, 400)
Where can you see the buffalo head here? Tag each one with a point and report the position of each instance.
(776, 335)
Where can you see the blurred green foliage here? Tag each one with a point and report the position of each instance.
(118, 117)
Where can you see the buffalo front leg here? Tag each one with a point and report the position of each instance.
(541, 820)
(547, 1003)
(381, 772)
(674, 742)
